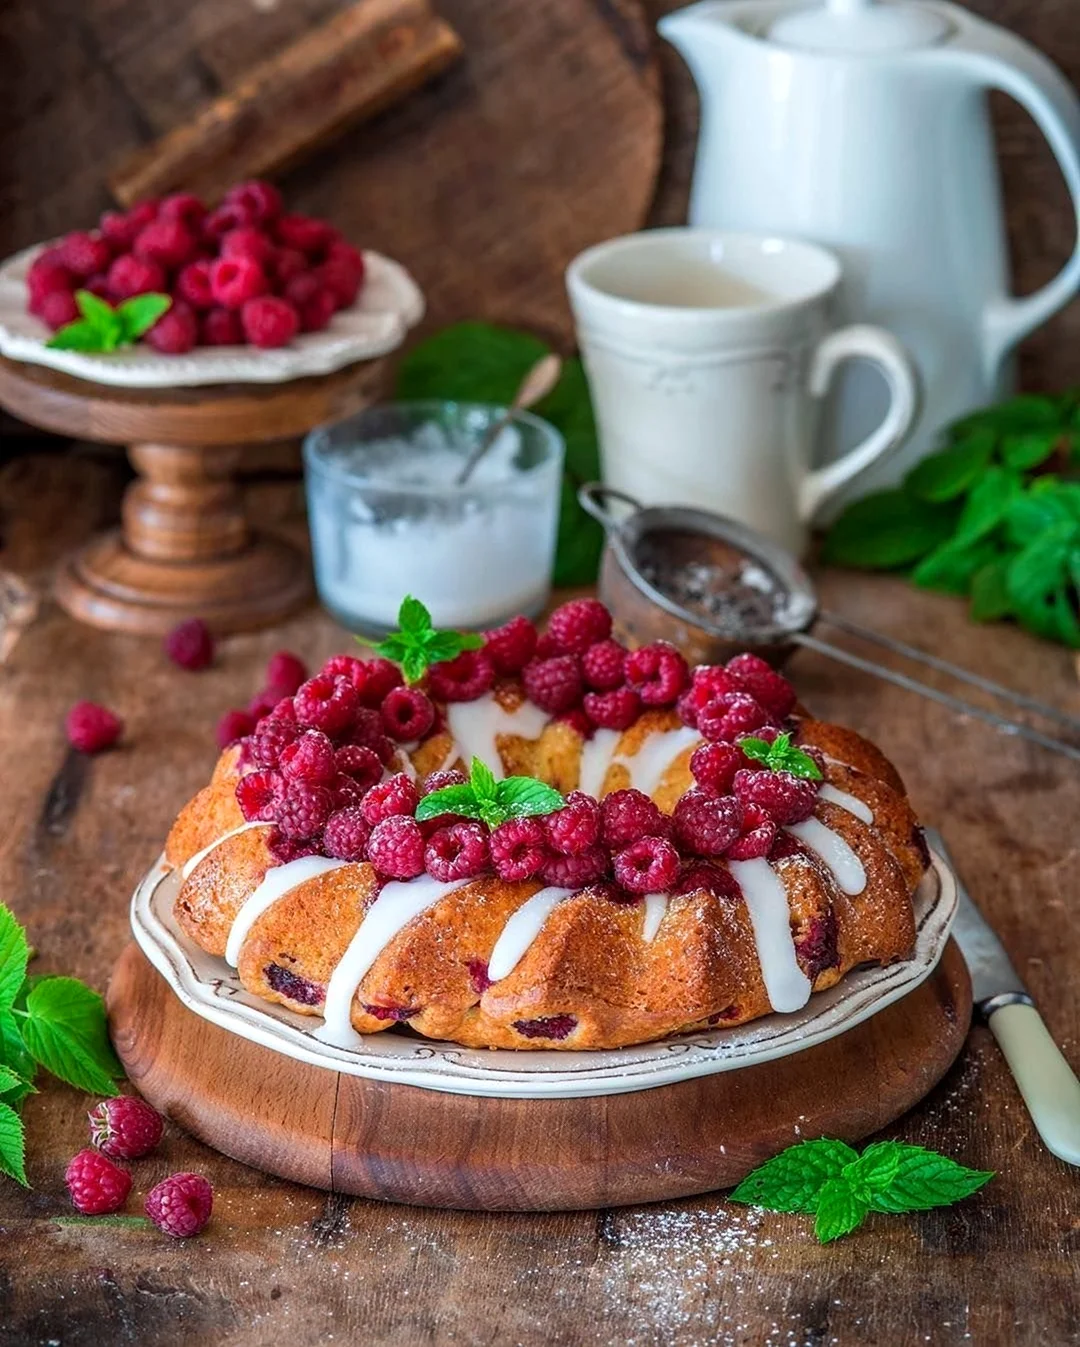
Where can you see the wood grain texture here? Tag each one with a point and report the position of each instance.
(427, 1148)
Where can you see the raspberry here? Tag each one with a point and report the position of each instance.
(169, 243)
(463, 679)
(784, 797)
(180, 1205)
(511, 646)
(185, 207)
(327, 704)
(91, 727)
(729, 716)
(285, 849)
(269, 322)
(362, 765)
(232, 726)
(125, 1128)
(285, 265)
(257, 796)
(407, 715)
(310, 758)
(554, 684)
(346, 834)
(285, 672)
(602, 665)
(578, 721)
(84, 254)
(712, 878)
(122, 228)
(546, 646)
(613, 710)
(396, 795)
(440, 780)
(176, 332)
(457, 852)
(46, 274)
(555, 1027)
(346, 790)
(313, 302)
(57, 308)
(367, 732)
(757, 837)
(261, 200)
(576, 826)
(193, 284)
(131, 275)
(518, 848)
(248, 242)
(190, 645)
(396, 847)
(707, 682)
(308, 236)
(96, 1185)
(229, 215)
(478, 976)
(358, 671)
(649, 865)
(629, 815)
(575, 872)
(303, 808)
(221, 327)
(707, 824)
(270, 737)
(99, 285)
(714, 767)
(658, 673)
(340, 280)
(235, 280)
(344, 255)
(579, 624)
(263, 703)
(763, 683)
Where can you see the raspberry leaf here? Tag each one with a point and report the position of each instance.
(12, 1145)
(12, 1048)
(65, 1032)
(524, 796)
(794, 1179)
(14, 955)
(138, 314)
(923, 1179)
(840, 1210)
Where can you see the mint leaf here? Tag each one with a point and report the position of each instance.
(781, 756)
(65, 1032)
(887, 529)
(413, 666)
(77, 336)
(524, 797)
(416, 645)
(482, 780)
(12, 1145)
(990, 592)
(924, 1179)
(1030, 448)
(794, 1179)
(948, 474)
(951, 566)
(413, 617)
(97, 312)
(440, 646)
(875, 1169)
(14, 955)
(839, 1211)
(987, 505)
(138, 314)
(449, 800)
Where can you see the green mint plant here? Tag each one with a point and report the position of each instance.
(53, 1022)
(839, 1187)
(416, 645)
(103, 328)
(781, 756)
(491, 801)
(993, 516)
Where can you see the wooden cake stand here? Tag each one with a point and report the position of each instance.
(403, 1144)
(185, 548)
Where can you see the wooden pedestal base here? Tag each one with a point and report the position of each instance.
(403, 1144)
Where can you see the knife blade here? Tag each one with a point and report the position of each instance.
(1046, 1081)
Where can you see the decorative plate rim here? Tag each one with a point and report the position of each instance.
(390, 303)
(206, 985)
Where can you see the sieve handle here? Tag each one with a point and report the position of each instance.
(591, 497)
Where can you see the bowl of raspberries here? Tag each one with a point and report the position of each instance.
(248, 291)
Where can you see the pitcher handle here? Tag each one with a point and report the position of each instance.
(997, 60)
(881, 347)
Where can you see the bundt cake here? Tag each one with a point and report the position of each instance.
(545, 841)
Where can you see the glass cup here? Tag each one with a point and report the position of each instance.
(388, 519)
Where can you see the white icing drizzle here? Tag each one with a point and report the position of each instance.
(851, 803)
(597, 754)
(834, 851)
(394, 907)
(648, 766)
(192, 861)
(276, 883)
(656, 905)
(521, 930)
(404, 764)
(787, 986)
(475, 726)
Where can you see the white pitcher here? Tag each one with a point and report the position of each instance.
(864, 126)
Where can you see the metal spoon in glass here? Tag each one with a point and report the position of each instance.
(537, 384)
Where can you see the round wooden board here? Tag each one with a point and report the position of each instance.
(424, 1147)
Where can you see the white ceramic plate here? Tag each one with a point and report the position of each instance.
(388, 305)
(209, 987)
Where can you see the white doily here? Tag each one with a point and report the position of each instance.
(389, 303)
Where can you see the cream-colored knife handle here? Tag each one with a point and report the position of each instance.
(1046, 1080)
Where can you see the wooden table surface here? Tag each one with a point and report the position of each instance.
(293, 1267)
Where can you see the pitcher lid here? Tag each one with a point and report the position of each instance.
(860, 26)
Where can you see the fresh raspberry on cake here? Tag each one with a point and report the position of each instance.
(303, 808)
(259, 200)
(193, 284)
(248, 242)
(125, 1128)
(130, 275)
(713, 767)
(310, 758)
(362, 764)
(731, 716)
(176, 332)
(616, 710)
(627, 816)
(269, 322)
(457, 852)
(185, 207)
(572, 872)
(229, 215)
(463, 679)
(707, 824)
(578, 721)
(784, 797)
(554, 685)
(396, 847)
(603, 665)
(233, 726)
(576, 826)
(518, 848)
(180, 1205)
(511, 646)
(190, 645)
(285, 672)
(91, 728)
(649, 865)
(236, 280)
(757, 837)
(95, 1184)
(396, 795)
(439, 781)
(308, 236)
(169, 243)
(372, 678)
(763, 683)
(270, 737)
(327, 704)
(221, 327)
(367, 731)
(658, 673)
(285, 849)
(407, 714)
(707, 683)
(576, 625)
(346, 834)
(57, 308)
(257, 796)
(314, 303)
(84, 254)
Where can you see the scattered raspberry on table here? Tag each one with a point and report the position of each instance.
(180, 1205)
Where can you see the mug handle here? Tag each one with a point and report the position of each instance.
(871, 343)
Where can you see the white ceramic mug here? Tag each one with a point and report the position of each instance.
(708, 355)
